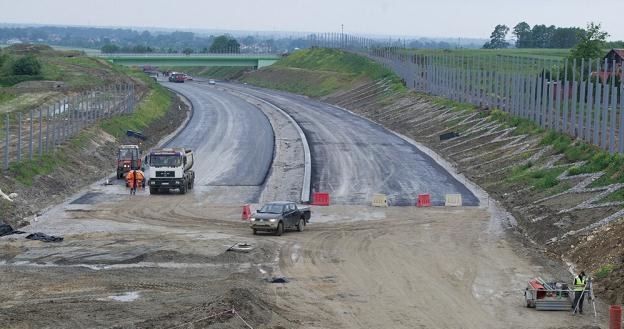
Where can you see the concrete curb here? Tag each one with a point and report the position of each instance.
(307, 162)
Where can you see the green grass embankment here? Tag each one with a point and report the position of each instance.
(319, 72)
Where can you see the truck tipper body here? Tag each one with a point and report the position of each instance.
(170, 169)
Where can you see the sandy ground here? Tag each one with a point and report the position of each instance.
(145, 262)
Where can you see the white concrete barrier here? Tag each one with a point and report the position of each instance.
(453, 200)
(380, 200)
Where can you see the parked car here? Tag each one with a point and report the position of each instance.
(212, 82)
(280, 216)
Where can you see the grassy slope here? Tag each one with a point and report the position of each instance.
(320, 72)
(76, 71)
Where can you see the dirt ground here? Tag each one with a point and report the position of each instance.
(162, 261)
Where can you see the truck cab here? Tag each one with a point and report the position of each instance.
(170, 169)
(128, 159)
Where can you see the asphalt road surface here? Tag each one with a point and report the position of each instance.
(353, 158)
(232, 140)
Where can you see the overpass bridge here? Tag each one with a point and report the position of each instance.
(243, 60)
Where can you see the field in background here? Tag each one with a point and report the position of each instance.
(529, 52)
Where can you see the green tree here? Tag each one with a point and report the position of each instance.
(565, 37)
(497, 38)
(542, 36)
(591, 43)
(224, 44)
(524, 37)
(27, 65)
(187, 51)
(110, 48)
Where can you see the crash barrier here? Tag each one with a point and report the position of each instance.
(380, 200)
(424, 200)
(615, 317)
(453, 200)
(320, 199)
(246, 212)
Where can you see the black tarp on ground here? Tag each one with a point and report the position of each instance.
(6, 229)
(44, 237)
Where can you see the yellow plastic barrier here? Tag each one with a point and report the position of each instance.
(453, 200)
(380, 200)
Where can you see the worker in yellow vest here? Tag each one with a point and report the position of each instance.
(579, 286)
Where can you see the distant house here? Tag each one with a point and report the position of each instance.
(616, 55)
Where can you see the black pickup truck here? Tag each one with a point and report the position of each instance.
(280, 216)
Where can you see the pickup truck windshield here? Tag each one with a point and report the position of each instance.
(165, 160)
(272, 208)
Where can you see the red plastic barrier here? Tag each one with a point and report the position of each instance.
(615, 317)
(424, 200)
(320, 199)
(246, 212)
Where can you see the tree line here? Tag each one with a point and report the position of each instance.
(220, 44)
(134, 41)
(540, 36)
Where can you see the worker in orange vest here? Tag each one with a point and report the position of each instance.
(134, 178)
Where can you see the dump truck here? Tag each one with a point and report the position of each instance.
(128, 159)
(279, 216)
(170, 169)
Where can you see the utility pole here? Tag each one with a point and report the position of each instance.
(341, 35)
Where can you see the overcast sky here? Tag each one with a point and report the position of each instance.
(435, 18)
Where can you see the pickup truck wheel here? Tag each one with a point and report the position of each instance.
(301, 225)
(280, 229)
(153, 190)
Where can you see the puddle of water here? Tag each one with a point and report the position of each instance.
(126, 297)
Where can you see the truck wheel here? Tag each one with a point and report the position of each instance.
(153, 190)
(183, 188)
(280, 229)
(255, 231)
(301, 225)
(119, 175)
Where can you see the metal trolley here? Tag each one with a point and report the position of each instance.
(548, 296)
